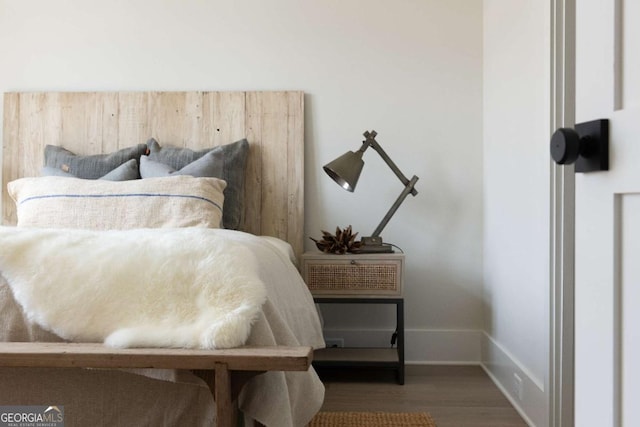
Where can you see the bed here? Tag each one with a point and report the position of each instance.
(266, 228)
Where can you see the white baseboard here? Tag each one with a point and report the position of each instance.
(502, 368)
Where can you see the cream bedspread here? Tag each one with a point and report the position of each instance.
(159, 397)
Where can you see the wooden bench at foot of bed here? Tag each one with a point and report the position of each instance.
(225, 371)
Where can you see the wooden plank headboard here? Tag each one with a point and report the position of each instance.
(102, 122)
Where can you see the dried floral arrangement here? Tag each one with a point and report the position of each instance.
(341, 242)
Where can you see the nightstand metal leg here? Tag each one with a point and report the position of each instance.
(400, 332)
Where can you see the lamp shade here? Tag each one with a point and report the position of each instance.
(345, 170)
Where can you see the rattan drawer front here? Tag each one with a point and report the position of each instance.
(357, 277)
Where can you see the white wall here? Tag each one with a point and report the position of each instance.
(516, 198)
(410, 69)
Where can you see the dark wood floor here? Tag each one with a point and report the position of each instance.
(455, 396)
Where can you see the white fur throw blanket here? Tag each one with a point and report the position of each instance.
(136, 288)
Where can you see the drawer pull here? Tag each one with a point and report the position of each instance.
(353, 262)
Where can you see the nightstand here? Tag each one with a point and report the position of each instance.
(359, 279)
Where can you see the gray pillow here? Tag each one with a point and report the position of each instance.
(208, 165)
(227, 162)
(125, 172)
(90, 167)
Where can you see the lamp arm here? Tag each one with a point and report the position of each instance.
(374, 144)
(407, 189)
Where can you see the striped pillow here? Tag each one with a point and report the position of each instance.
(177, 201)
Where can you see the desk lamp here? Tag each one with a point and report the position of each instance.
(345, 170)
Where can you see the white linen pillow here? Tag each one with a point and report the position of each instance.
(177, 201)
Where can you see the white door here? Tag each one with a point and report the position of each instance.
(607, 275)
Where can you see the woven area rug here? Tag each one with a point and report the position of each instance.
(372, 419)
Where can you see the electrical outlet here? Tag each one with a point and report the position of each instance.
(517, 386)
(334, 342)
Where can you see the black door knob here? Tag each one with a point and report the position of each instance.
(587, 146)
(565, 146)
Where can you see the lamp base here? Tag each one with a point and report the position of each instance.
(374, 245)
